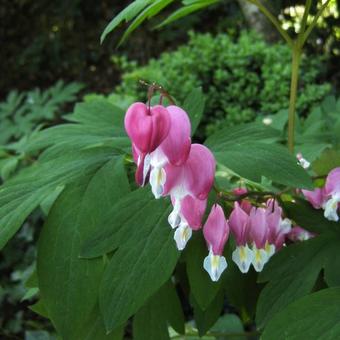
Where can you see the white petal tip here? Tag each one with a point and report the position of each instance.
(215, 265)
(243, 257)
(182, 235)
(260, 259)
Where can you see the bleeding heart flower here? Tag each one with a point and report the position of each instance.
(332, 192)
(216, 232)
(278, 228)
(315, 197)
(147, 128)
(258, 234)
(187, 219)
(195, 177)
(299, 234)
(173, 150)
(238, 221)
(327, 198)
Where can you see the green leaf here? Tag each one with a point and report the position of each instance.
(186, 10)
(68, 284)
(194, 105)
(229, 323)
(293, 271)
(9, 167)
(117, 222)
(311, 151)
(204, 319)
(329, 160)
(143, 262)
(126, 15)
(150, 322)
(23, 193)
(241, 290)
(201, 287)
(254, 160)
(304, 215)
(95, 330)
(154, 8)
(313, 317)
(229, 136)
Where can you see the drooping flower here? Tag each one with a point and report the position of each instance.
(278, 228)
(299, 234)
(238, 222)
(216, 233)
(189, 218)
(332, 192)
(173, 150)
(258, 235)
(328, 197)
(315, 197)
(147, 128)
(194, 178)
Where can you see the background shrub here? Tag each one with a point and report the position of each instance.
(241, 78)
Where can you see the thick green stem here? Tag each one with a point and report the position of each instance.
(296, 56)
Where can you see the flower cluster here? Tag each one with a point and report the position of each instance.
(328, 197)
(174, 167)
(261, 228)
(165, 157)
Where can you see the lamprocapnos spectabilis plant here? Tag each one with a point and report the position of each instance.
(164, 155)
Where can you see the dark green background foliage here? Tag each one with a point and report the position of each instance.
(60, 39)
(242, 78)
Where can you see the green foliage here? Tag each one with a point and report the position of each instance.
(239, 150)
(241, 79)
(63, 276)
(319, 311)
(106, 253)
(203, 290)
(140, 10)
(22, 112)
(293, 272)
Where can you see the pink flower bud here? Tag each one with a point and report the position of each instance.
(238, 222)
(216, 230)
(258, 227)
(316, 197)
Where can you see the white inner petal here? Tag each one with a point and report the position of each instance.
(146, 167)
(260, 258)
(157, 181)
(304, 236)
(182, 235)
(331, 207)
(270, 249)
(215, 265)
(243, 257)
(174, 218)
(286, 225)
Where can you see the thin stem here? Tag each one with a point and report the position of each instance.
(305, 16)
(273, 20)
(315, 20)
(296, 56)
